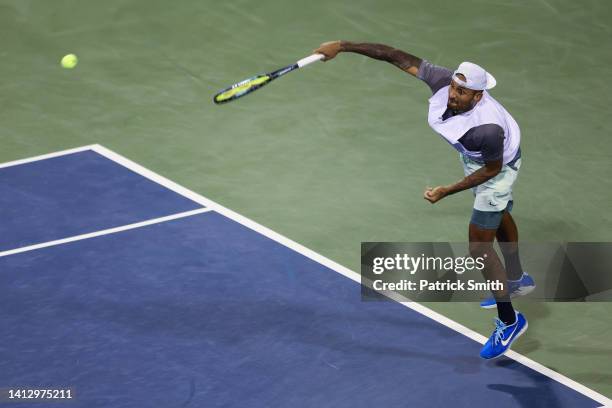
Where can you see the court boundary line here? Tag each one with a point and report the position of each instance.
(46, 156)
(171, 185)
(108, 231)
(151, 175)
(213, 206)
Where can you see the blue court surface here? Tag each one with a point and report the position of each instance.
(202, 311)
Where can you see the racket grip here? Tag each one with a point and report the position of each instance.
(310, 59)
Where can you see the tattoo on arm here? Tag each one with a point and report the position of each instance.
(401, 59)
(486, 172)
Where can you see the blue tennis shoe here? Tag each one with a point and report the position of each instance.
(503, 336)
(516, 288)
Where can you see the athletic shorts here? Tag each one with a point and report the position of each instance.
(494, 196)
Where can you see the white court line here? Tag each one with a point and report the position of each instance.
(137, 168)
(46, 156)
(211, 205)
(104, 232)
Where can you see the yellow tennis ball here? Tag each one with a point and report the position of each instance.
(69, 61)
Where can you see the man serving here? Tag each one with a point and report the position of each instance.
(488, 140)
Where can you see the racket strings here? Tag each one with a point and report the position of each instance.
(242, 88)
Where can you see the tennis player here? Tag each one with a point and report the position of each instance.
(463, 112)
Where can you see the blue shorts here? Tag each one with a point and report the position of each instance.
(494, 194)
(489, 219)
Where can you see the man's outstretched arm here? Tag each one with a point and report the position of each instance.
(401, 59)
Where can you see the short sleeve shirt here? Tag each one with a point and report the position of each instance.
(488, 139)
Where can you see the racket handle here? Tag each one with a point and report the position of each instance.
(309, 60)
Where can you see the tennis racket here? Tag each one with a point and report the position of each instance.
(249, 85)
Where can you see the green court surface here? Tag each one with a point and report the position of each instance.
(339, 152)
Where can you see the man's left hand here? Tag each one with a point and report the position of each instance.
(435, 194)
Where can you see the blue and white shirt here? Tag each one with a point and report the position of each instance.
(485, 133)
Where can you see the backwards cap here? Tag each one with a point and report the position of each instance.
(476, 78)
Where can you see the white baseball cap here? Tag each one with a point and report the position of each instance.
(476, 77)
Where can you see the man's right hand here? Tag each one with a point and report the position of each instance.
(330, 49)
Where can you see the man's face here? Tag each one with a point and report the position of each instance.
(461, 99)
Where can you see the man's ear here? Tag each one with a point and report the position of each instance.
(478, 96)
